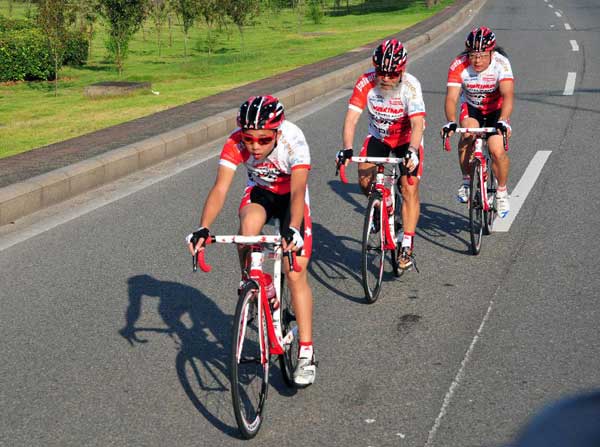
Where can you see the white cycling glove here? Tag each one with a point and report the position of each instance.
(292, 235)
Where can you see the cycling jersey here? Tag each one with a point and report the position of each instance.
(274, 172)
(480, 90)
(389, 112)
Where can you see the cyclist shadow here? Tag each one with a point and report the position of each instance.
(201, 332)
(437, 223)
(333, 261)
(348, 192)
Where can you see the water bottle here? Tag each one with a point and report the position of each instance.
(270, 288)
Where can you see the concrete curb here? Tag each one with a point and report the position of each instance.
(21, 199)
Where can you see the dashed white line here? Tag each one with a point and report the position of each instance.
(574, 45)
(558, 14)
(550, 6)
(519, 194)
(567, 27)
(570, 83)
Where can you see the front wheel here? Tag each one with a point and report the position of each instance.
(289, 359)
(249, 362)
(490, 216)
(372, 248)
(475, 208)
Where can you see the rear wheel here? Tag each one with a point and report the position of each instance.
(490, 216)
(249, 362)
(475, 208)
(372, 248)
(289, 359)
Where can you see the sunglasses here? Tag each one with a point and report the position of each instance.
(478, 55)
(387, 74)
(263, 141)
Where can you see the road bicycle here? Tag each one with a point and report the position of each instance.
(482, 187)
(382, 228)
(263, 326)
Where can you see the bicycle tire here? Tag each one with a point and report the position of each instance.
(475, 209)
(395, 254)
(289, 359)
(490, 216)
(249, 375)
(372, 253)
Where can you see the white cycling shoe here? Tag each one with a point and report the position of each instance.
(462, 194)
(502, 204)
(305, 372)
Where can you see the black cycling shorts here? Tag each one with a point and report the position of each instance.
(485, 120)
(373, 147)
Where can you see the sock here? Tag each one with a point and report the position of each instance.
(502, 190)
(407, 239)
(466, 180)
(306, 350)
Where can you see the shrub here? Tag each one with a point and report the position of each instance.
(24, 56)
(76, 49)
(7, 24)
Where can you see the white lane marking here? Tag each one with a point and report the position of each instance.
(570, 83)
(558, 14)
(519, 194)
(550, 6)
(458, 378)
(574, 45)
(567, 27)
(51, 217)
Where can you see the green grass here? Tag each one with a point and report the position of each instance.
(31, 116)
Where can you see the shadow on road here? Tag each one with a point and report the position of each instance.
(437, 223)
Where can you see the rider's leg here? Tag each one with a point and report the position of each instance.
(501, 162)
(302, 298)
(252, 220)
(411, 205)
(366, 171)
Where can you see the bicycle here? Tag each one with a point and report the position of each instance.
(384, 189)
(260, 329)
(482, 206)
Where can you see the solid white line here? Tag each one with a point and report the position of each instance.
(574, 45)
(570, 83)
(519, 194)
(558, 14)
(567, 27)
(458, 378)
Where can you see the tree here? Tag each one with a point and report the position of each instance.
(187, 12)
(241, 13)
(432, 3)
(123, 19)
(210, 10)
(86, 12)
(52, 20)
(158, 11)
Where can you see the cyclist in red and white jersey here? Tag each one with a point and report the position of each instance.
(481, 77)
(277, 158)
(396, 109)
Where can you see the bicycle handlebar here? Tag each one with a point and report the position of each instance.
(341, 168)
(480, 131)
(199, 261)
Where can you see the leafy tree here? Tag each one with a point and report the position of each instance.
(86, 12)
(158, 11)
(187, 12)
(210, 11)
(52, 20)
(123, 19)
(241, 13)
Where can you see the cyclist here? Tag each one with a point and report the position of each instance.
(277, 158)
(484, 76)
(396, 110)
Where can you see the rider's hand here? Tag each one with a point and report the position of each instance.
(448, 129)
(292, 239)
(196, 239)
(344, 156)
(412, 161)
(503, 127)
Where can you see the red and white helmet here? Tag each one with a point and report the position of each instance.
(261, 112)
(390, 56)
(481, 39)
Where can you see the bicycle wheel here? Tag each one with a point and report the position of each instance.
(289, 359)
(475, 208)
(249, 364)
(372, 248)
(395, 254)
(490, 216)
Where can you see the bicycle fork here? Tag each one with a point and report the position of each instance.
(483, 176)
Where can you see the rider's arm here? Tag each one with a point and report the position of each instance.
(452, 95)
(507, 91)
(417, 124)
(216, 196)
(352, 117)
(299, 180)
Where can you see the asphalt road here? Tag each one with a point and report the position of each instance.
(459, 355)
